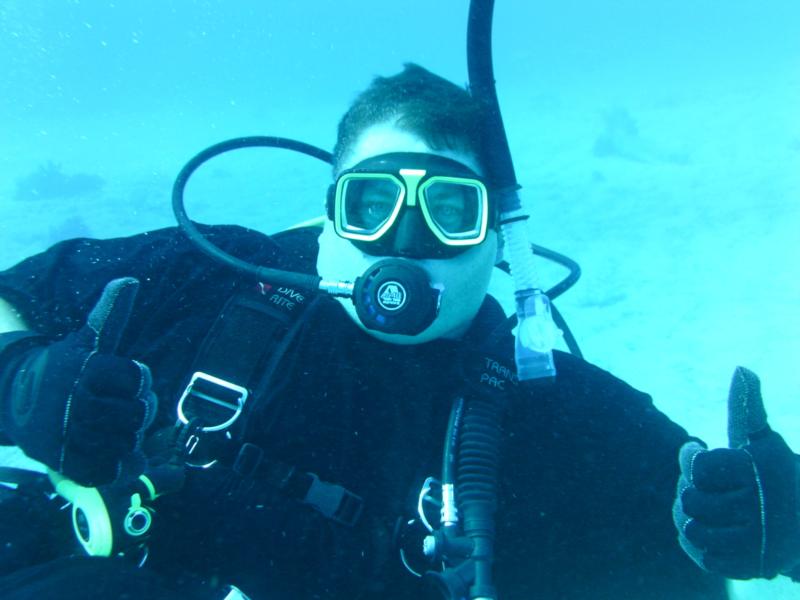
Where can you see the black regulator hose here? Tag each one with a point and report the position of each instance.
(309, 282)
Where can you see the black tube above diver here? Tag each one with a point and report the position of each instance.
(537, 333)
(497, 156)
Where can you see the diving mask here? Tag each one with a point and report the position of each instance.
(410, 204)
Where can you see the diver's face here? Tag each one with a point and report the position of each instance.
(463, 278)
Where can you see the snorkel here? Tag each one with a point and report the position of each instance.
(537, 334)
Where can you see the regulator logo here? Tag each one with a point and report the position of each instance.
(391, 295)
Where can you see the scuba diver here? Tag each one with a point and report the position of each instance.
(341, 410)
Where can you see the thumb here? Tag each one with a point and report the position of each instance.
(746, 414)
(109, 317)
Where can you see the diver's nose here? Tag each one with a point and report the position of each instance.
(410, 234)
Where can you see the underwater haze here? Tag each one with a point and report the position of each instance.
(657, 143)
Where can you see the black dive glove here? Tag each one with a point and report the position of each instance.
(72, 404)
(737, 508)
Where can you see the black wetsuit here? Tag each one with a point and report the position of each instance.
(588, 471)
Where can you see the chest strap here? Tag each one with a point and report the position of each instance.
(252, 470)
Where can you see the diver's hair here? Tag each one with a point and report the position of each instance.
(443, 114)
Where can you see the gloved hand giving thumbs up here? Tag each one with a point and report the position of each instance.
(738, 509)
(73, 404)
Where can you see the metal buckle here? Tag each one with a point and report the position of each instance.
(211, 399)
(335, 502)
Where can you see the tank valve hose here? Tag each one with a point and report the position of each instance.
(468, 550)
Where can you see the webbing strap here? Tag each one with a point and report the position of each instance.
(333, 501)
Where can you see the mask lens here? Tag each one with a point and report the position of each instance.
(368, 204)
(456, 209)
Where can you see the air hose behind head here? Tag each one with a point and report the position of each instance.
(189, 228)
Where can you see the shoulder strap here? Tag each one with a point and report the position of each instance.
(237, 361)
(247, 331)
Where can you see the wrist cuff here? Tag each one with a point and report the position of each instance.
(13, 345)
(14, 341)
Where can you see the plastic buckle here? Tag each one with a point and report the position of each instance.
(215, 402)
(334, 502)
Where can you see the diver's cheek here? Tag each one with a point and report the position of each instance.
(339, 259)
(465, 280)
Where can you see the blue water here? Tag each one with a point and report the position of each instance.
(657, 142)
(127, 91)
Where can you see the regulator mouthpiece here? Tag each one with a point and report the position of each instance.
(396, 296)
